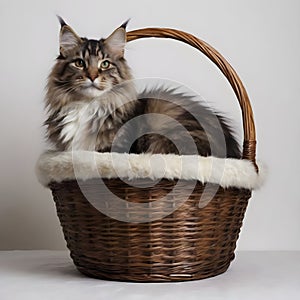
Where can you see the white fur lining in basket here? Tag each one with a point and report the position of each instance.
(82, 165)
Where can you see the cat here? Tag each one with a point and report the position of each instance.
(92, 104)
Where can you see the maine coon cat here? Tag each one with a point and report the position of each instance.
(92, 104)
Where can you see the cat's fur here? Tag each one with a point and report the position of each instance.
(88, 103)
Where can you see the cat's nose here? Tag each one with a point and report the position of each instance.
(92, 76)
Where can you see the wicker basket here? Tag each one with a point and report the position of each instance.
(190, 243)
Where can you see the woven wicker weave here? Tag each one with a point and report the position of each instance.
(191, 243)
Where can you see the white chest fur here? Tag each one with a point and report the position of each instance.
(81, 124)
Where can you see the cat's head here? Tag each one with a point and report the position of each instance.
(86, 68)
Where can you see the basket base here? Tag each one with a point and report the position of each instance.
(154, 273)
(127, 277)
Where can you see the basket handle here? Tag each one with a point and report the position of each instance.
(249, 146)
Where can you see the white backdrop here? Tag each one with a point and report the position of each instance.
(259, 38)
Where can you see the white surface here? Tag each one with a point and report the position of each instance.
(261, 39)
(51, 275)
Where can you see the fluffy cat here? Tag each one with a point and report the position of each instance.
(92, 104)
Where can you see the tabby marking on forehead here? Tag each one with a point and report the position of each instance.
(93, 47)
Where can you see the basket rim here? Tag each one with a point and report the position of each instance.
(55, 166)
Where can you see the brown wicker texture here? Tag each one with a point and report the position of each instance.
(190, 243)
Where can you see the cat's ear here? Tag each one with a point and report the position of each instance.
(68, 39)
(115, 43)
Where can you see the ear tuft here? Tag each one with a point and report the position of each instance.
(124, 25)
(61, 21)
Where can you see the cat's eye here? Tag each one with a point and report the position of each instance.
(105, 64)
(79, 63)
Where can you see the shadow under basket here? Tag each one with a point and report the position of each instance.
(190, 235)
